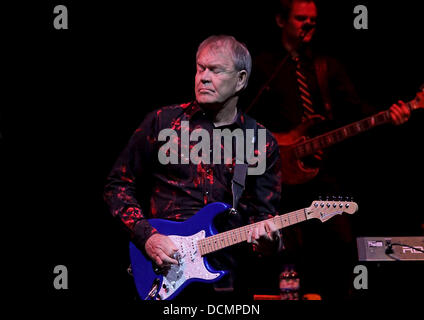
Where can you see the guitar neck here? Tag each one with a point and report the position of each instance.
(311, 146)
(234, 236)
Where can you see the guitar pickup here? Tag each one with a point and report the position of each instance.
(178, 257)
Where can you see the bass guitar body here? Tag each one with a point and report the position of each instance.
(294, 170)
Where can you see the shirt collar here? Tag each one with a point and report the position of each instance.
(194, 110)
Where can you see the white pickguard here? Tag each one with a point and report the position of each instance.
(191, 265)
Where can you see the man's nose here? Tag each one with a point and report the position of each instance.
(205, 75)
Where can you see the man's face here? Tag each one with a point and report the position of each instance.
(302, 14)
(216, 79)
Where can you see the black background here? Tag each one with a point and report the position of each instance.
(77, 95)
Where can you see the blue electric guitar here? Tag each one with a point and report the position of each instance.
(197, 237)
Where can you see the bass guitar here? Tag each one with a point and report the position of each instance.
(295, 146)
(196, 237)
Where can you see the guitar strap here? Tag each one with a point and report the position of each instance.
(240, 170)
(321, 70)
(238, 184)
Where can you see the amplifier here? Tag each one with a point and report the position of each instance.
(390, 248)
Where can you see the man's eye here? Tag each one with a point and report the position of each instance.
(217, 70)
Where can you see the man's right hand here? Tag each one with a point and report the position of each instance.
(161, 249)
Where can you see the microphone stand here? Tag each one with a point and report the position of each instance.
(266, 84)
(274, 74)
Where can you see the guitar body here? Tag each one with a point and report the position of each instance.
(294, 146)
(294, 170)
(197, 237)
(192, 267)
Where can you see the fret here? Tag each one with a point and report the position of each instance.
(308, 148)
(358, 126)
(284, 221)
(243, 234)
(321, 141)
(315, 145)
(231, 237)
(246, 230)
(329, 139)
(221, 242)
(352, 129)
(302, 148)
(199, 247)
(367, 123)
(338, 136)
(382, 117)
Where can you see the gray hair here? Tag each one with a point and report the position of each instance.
(240, 54)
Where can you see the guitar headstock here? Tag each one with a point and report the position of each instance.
(326, 209)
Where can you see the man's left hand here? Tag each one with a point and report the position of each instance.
(399, 112)
(265, 238)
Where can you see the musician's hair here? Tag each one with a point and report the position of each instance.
(284, 7)
(240, 54)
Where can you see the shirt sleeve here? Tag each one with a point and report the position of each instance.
(131, 168)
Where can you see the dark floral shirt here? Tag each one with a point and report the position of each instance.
(140, 187)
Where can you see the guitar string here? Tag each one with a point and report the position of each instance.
(322, 141)
(376, 119)
(225, 239)
(214, 242)
(373, 120)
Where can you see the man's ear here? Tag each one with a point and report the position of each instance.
(241, 80)
(279, 20)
